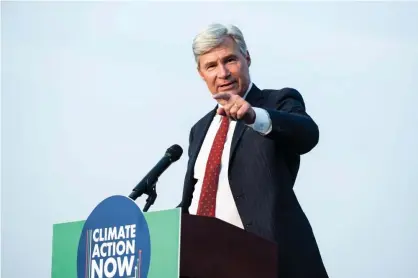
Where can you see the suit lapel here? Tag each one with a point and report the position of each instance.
(255, 98)
(200, 135)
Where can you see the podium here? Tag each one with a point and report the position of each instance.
(213, 248)
(182, 245)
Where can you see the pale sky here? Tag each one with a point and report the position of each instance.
(94, 93)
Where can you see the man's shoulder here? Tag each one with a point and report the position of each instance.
(277, 95)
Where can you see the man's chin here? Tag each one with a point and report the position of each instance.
(232, 92)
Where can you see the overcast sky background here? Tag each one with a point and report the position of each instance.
(94, 93)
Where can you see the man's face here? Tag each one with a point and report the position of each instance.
(225, 69)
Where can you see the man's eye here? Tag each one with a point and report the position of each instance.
(231, 60)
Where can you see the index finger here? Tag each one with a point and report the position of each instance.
(222, 96)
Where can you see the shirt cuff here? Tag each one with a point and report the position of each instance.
(262, 123)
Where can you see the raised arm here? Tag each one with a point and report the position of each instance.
(291, 124)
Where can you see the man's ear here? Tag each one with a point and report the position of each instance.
(248, 58)
(199, 70)
(200, 73)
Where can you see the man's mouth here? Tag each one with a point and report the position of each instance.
(228, 85)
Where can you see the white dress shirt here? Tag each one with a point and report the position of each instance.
(226, 209)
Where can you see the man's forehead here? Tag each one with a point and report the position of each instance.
(222, 50)
(227, 45)
(218, 52)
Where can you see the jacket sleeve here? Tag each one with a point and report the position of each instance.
(291, 124)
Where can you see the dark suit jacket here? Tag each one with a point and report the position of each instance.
(262, 173)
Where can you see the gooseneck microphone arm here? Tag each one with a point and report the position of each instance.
(149, 189)
(148, 184)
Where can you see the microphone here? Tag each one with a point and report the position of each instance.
(147, 184)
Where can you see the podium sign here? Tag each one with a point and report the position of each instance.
(118, 240)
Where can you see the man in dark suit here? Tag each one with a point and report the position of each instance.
(244, 155)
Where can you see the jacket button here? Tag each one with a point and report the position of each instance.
(239, 196)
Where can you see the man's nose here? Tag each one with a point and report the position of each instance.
(223, 72)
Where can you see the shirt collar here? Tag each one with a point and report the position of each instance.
(248, 90)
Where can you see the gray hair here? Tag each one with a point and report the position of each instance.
(214, 35)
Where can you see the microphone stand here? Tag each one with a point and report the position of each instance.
(150, 190)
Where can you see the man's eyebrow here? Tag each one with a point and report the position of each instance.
(210, 63)
(229, 57)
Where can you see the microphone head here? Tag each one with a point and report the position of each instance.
(174, 152)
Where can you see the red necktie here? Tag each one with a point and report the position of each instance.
(207, 201)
